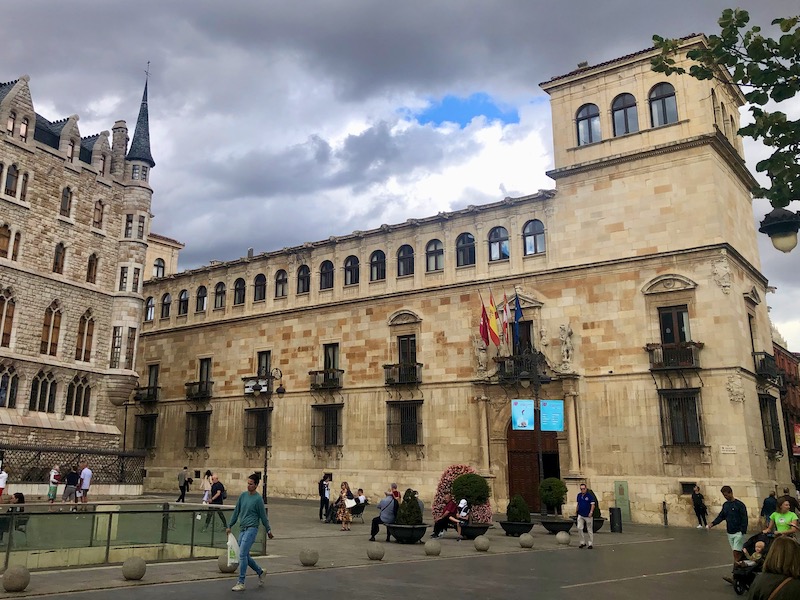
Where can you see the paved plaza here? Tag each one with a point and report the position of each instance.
(642, 562)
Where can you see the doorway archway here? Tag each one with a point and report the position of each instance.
(523, 463)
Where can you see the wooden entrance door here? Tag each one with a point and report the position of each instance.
(523, 463)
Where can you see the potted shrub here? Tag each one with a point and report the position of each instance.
(475, 490)
(597, 516)
(408, 527)
(551, 493)
(518, 516)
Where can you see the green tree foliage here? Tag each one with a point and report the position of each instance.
(552, 491)
(409, 512)
(473, 487)
(769, 70)
(518, 510)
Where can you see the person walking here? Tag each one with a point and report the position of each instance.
(324, 490)
(700, 510)
(183, 476)
(734, 513)
(53, 479)
(585, 512)
(250, 509)
(85, 481)
(205, 486)
(216, 499)
(71, 487)
(769, 506)
(3, 481)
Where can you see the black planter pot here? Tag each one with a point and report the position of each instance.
(597, 523)
(516, 529)
(407, 534)
(555, 525)
(473, 530)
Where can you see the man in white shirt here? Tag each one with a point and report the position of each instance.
(53, 479)
(362, 499)
(85, 482)
(3, 481)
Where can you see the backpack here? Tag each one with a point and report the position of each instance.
(224, 493)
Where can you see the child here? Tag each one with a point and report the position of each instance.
(753, 559)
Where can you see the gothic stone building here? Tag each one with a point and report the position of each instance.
(642, 309)
(74, 219)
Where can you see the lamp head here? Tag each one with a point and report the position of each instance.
(256, 389)
(781, 226)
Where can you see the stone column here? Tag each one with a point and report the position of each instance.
(571, 423)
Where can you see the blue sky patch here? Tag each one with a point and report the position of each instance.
(462, 110)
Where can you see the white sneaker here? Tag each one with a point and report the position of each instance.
(699, 527)
(239, 587)
(261, 578)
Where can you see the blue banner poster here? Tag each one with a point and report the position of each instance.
(522, 412)
(552, 415)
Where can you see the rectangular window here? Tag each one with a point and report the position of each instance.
(674, 323)
(525, 343)
(116, 348)
(407, 355)
(152, 376)
(140, 229)
(128, 226)
(326, 425)
(680, 417)
(404, 423)
(198, 427)
(205, 370)
(130, 348)
(770, 423)
(264, 360)
(123, 279)
(258, 428)
(144, 432)
(330, 358)
(135, 283)
(135, 172)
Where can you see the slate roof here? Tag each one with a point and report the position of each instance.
(140, 146)
(6, 87)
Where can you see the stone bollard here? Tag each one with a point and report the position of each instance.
(563, 538)
(433, 548)
(526, 540)
(224, 567)
(308, 557)
(375, 552)
(16, 578)
(134, 568)
(482, 543)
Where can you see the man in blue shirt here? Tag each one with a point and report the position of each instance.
(734, 513)
(585, 510)
(250, 509)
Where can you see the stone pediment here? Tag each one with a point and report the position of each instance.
(668, 283)
(525, 302)
(404, 317)
(753, 296)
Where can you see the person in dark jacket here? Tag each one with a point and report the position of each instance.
(324, 490)
(700, 508)
(769, 506)
(734, 513)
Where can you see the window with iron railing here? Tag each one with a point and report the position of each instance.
(770, 423)
(680, 417)
(326, 425)
(258, 427)
(198, 426)
(404, 423)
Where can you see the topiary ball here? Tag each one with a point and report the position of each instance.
(308, 557)
(224, 567)
(433, 548)
(482, 543)
(375, 552)
(134, 568)
(563, 538)
(16, 578)
(526, 540)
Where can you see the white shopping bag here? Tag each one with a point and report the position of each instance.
(233, 550)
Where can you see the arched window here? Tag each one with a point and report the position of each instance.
(91, 269)
(434, 256)
(9, 384)
(159, 267)
(51, 328)
(43, 393)
(83, 346)
(149, 309)
(351, 270)
(465, 250)
(23, 191)
(377, 266)
(78, 396)
(166, 304)
(533, 237)
(625, 115)
(183, 302)
(260, 288)
(66, 202)
(97, 219)
(6, 317)
(11, 180)
(12, 120)
(202, 295)
(281, 284)
(23, 130)
(239, 290)
(5, 240)
(58, 258)
(663, 106)
(405, 260)
(588, 122)
(498, 244)
(219, 295)
(303, 279)
(326, 275)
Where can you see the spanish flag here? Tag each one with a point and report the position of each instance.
(494, 328)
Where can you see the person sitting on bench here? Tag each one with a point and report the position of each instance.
(387, 514)
(450, 510)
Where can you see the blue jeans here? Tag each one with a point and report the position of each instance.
(246, 539)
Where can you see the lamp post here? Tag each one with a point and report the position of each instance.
(781, 226)
(274, 374)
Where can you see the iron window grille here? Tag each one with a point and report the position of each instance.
(680, 417)
(198, 426)
(258, 428)
(326, 425)
(404, 423)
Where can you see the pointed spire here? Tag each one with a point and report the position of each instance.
(140, 146)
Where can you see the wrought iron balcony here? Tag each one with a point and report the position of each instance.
(519, 368)
(326, 379)
(765, 365)
(258, 384)
(403, 373)
(147, 394)
(674, 356)
(199, 390)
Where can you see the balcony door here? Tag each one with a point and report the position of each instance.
(407, 354)
(674, 323)
(330, 362)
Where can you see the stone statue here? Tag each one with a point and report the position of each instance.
(543, 341)
(565, 335)
(483, 357)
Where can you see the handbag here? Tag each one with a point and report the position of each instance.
(778, 589)
(348, 503)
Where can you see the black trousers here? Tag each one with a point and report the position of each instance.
(211, 511)
(442, 525)
(376, 527)
(701, 515)
(323, 507)
(182, 497)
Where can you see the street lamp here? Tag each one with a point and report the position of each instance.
(781, 226)
(274, 374)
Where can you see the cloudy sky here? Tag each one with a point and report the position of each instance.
(276, 123)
